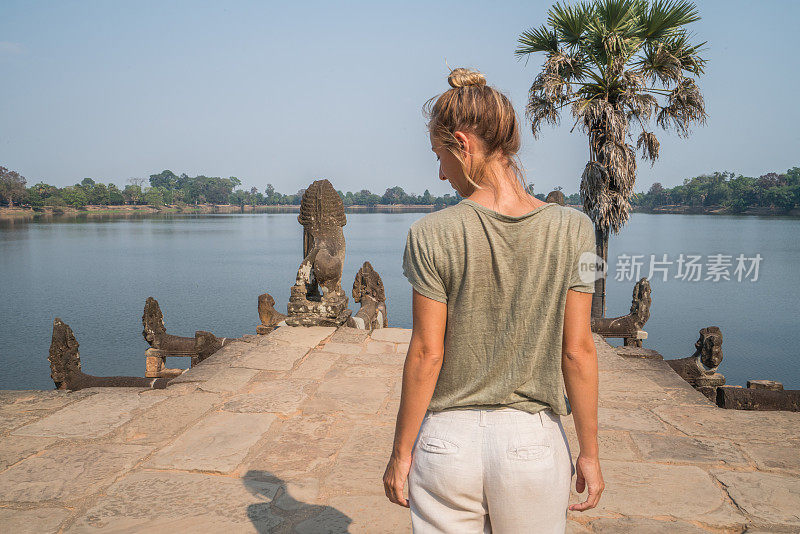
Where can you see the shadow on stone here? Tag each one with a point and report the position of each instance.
(281, 512)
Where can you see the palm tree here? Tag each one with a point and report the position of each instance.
(618, 65)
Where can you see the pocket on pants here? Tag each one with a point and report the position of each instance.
(531, 451)
(437, 445)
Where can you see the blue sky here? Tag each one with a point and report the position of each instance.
(287, 93)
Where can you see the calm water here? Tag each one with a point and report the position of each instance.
(207, 271)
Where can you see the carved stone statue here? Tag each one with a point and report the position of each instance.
(555, 197)
(198, 348)
(368, 291)
(65, 366)
(317, 298)
(628, 326)
(700, 368)
(270, 317)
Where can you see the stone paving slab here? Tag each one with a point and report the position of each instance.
(290, 432)
(16, 448)
(316, 365)
(32, 521)
(276, 396)
(217, 443)
(163, 421)
(91, 417)
(768, 498)
(68, 472)
(277, 356)
(155, 501)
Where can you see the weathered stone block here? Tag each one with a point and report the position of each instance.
(69, 472)
(380, 347)
(229, 380)
(352, 395)
(166, 419)
(769, 499)
(272, 356)
(16, 448)
(33, 521)
(278, 396)
(392, 335)
(92, 417)
(218, 442)
(628, 419)
(345, 334)
(342, 348)
(315, 365)
(687, 449)
(305, 336)
(765, 384)
(684, 492)
(183, 502)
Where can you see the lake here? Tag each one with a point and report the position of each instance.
(206, 271)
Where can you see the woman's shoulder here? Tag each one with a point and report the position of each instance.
(439, 219)
(573, 215)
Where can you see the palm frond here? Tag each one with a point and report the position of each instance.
(665, 17)
(569, 22)
(687, 54)
(568, 67)
(540, 109)
(685, 105)
(541, 39)
(649, 144)
(617, 16)
(659, 64)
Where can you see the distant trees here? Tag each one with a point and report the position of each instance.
(12, 186)
(74, 196)
(728, 190)
(132, 194)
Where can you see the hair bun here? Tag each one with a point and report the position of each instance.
(461, 77)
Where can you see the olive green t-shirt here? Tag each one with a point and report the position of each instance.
(504, 280)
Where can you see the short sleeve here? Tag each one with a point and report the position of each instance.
(584, 269)
(419, 268)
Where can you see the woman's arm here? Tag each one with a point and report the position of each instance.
(420, 372)
(579, 367)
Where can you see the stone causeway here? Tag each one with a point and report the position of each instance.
(290, 433)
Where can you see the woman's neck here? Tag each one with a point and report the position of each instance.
(502, 192)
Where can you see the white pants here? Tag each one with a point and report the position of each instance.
(500, 470)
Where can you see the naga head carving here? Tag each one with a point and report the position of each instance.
(321, 208)
(640, 304)
(709, 346)
(152, 321)
(65, 360)
(368, 283)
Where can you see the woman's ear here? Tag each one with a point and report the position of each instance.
(463, 140)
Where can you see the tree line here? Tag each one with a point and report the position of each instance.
(168, 188)
(725, 189)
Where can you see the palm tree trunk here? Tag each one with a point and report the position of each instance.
(599, 297)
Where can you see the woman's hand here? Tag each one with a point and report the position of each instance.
(588, 475)
(394, 479)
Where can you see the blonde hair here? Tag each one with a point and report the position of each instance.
(472, 106)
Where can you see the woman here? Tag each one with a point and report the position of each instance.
(501, 326)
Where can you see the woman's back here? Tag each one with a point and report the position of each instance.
(505, 280)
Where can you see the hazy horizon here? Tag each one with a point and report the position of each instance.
(289, 94)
